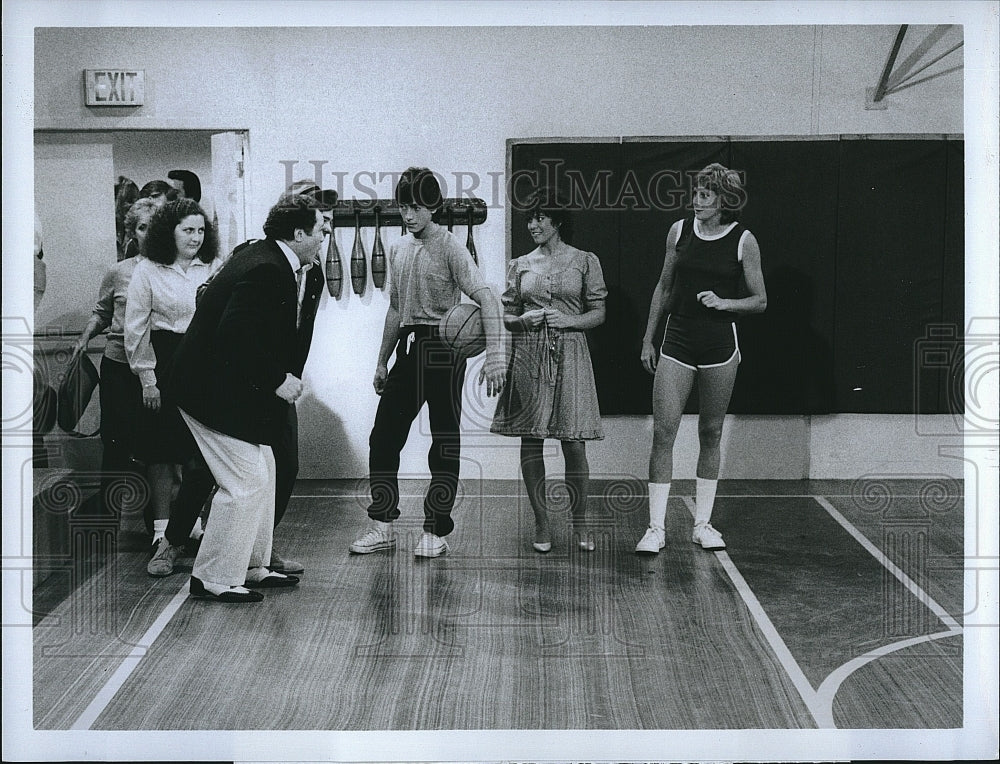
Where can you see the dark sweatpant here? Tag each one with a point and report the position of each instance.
(425, 371)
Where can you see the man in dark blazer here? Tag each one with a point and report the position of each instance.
(286, 449)
(199, 485)
(235, 375)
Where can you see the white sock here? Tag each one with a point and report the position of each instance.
(159, 529)
(704, 500)
(196, 531)
(658, 495)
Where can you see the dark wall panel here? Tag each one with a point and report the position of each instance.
(591, 171)
(951, 394)
(862, 245)
(791, 209)
(662, 173)
(890, 239)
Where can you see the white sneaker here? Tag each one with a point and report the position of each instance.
(430, 546)
(378, 536)
(708, 537)
(652, 542)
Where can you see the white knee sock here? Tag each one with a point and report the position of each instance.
(159, 529)
(658, 495)
(704, 500)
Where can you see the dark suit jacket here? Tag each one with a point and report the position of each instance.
(241, 343)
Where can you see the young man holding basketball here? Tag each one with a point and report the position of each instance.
(429, 270)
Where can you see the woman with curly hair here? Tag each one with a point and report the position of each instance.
(181, 254)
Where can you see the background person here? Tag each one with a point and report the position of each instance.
(119, 390)
(159, 191)
(186, 184)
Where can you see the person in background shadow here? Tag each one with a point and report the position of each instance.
(159, 191)
(708, 256)
(186, 184)
(120, 391)
(126, 193)
(233, 380)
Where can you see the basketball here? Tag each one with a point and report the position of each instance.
(462, 330)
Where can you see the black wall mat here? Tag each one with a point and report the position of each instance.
(862, 245)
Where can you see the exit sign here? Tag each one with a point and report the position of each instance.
(115, 87)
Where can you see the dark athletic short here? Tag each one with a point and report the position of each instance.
(699, 344)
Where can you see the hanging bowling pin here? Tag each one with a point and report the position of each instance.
(378, 254)
(470, 243)
(334, 268)
(359, 262)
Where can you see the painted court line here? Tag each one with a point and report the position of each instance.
(827, 691)
(124, 671)
(767, 628)
(831, 685)
(875, 552)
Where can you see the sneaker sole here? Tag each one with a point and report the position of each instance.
(370, 549)
(429, 554)
(709, 548)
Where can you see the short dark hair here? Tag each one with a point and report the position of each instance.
(551, 203)
(327, 198)
(192, 185)
(728, 185)
(418, 186)
(292, 211)
(158, 187)
(160, 246)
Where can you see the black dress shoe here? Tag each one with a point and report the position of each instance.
(272, 581)
(198, 590)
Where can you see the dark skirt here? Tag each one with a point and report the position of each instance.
(162, 436)
(121, 403)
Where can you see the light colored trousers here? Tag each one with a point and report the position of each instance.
(241, 521)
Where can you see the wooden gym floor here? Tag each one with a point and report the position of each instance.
(835, 605)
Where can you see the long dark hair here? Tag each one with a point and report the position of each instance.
(160, 245)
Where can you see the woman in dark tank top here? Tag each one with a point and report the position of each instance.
(708, 256)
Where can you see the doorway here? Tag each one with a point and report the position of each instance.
(75, 175)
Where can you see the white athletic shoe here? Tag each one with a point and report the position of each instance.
(708, 537)
(378, 536)
(652, 542)
(430, 546)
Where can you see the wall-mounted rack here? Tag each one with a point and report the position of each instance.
(358, 213)
(458, 209)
